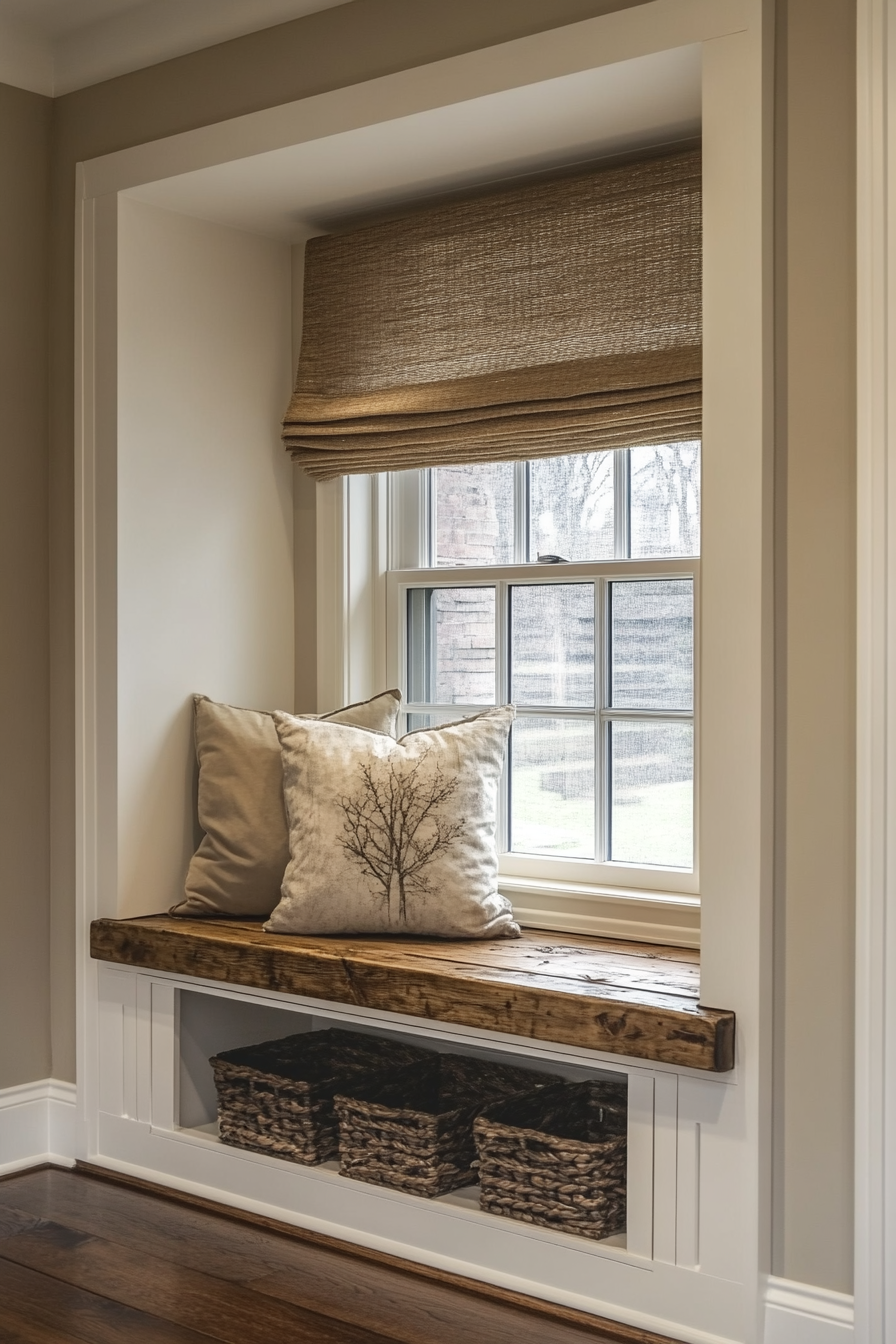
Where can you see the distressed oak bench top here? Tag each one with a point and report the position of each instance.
(633, 999)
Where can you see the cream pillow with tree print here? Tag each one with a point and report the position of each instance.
(393, 837)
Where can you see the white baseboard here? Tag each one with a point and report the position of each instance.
(37, 1124)
(797, 1313)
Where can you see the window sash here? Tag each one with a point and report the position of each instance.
(589, 872)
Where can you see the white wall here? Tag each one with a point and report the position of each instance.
(205, 516)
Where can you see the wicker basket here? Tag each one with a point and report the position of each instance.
(414, 1132)
(557, 1158)
(277, 1098)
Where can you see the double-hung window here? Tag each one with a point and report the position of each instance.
(570, 587)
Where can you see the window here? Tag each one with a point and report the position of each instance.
(567, 585)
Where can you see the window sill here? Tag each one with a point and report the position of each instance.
(672, 919)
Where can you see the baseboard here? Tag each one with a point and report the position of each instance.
(797, 1313)
(37, 1124)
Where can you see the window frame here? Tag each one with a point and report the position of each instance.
(736, 661)
(409, 518)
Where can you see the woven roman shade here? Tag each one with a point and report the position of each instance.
(558, 317)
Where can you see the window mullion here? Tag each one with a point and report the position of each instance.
(428, 514)
(520, 513)
(622, 504)
(601, 730)
(502, 696)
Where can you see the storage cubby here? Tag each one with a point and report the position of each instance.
(209, 1024)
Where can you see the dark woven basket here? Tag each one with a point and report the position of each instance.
(277, 1098)
(557, 1158)
(414, 1132)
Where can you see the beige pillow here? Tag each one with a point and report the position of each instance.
(393, 837)
(238, 867)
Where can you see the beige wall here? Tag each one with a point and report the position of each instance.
(24, 652)
(815, 290)
(205, 516)
(816, 641)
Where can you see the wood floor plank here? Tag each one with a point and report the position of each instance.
(349, 1289)
(16, 1329)
(16, 1220)
(208, 1244)
(198, 1302)
(439, 1315)
(66, 1313)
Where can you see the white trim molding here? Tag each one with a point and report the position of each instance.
(797, 1313)
(875, 1278)
(37, 1124)
(605, 912)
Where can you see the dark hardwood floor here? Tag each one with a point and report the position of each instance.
(89, 1257)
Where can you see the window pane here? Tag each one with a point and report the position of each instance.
(437, 719)
(665, 500)
(652, 792)
(652, 644)
(473, 514)
(552, 787)
(571, 507)
(552, 644)
(451, 646)
(414, 722)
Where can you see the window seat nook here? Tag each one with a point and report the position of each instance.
(633, 999)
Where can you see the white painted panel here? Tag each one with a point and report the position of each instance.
(163, 1060)
(639, 1176)
(143, 1048)
(714, 1180)
(688, 1193)
(791, 1327)
(205, 578)
(665, 1165)
(799, 1313)
(117, 1063)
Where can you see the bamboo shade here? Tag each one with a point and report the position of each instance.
(558, 317)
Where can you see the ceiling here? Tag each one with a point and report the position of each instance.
(56, 46)
(309, 188)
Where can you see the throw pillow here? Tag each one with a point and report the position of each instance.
(394, 837)
(238, 868)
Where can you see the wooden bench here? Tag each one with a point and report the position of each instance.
(633, 999)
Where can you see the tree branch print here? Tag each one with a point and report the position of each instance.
(393, 828)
